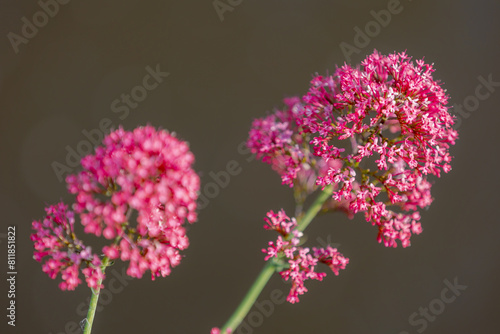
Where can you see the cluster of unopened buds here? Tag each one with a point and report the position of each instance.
(147, 171)
(370, 136)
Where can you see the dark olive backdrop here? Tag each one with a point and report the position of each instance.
(222, 74)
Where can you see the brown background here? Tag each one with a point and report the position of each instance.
(222, 75)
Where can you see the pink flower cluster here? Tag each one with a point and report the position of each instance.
(385, 126)
(301, 263)
(64, 254)
(147, 171)
(145, 175)
(278, 140)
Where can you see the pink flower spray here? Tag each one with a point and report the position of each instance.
(371, 136)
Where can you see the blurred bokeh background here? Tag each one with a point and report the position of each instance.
(229, 62)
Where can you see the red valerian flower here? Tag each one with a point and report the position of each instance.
(56, 243)
(378, 131)
(137, 190)
(300, 262)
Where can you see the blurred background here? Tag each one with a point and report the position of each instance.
(227, 63)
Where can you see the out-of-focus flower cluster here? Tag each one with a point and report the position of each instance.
(277, 140)
(374, 133)
(143, 171)
(300, 262)
(280, 142)
(55, 241)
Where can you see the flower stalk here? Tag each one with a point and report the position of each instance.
(270, 267)
(250, 298)
(94, 299)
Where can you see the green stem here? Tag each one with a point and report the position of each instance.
(94, 299)
(270, 267)
(314, 209)
(250, 298)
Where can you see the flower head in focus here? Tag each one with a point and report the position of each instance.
(379, 131)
